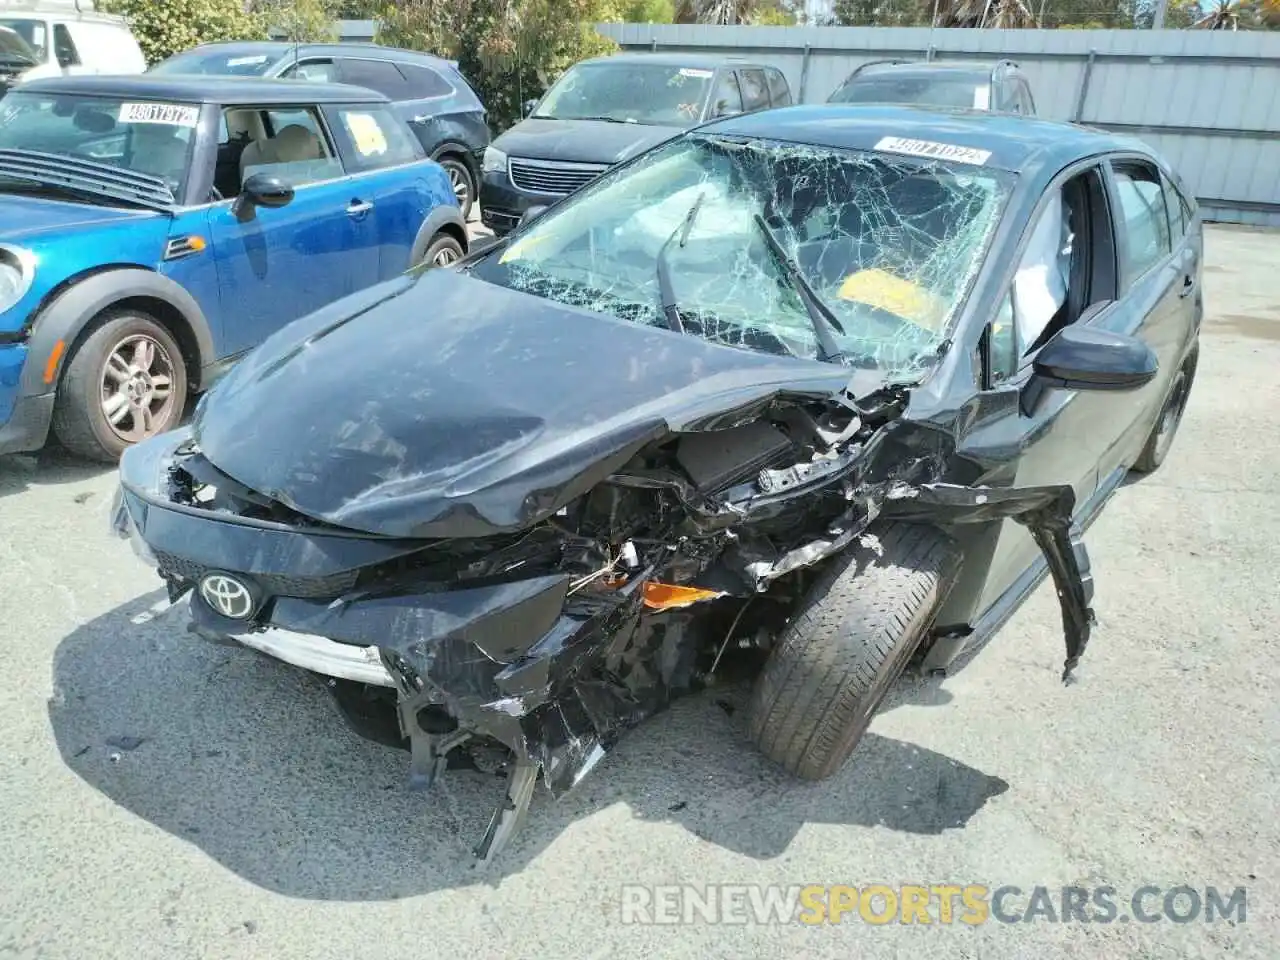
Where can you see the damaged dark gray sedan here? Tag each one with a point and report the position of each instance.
(831, 387)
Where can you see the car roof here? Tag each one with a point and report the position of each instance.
(704, 61)
(205, 89)
(978, 70)
(282, 48)
(1015, 142)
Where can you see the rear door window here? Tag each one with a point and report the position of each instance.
(726, 98)
(1142, 221)
(779, 91)
(425, 83)
(1177, 207)
(755, 90)
(378, 75)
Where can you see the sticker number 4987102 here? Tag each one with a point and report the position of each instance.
(173, 114)
(933, 150)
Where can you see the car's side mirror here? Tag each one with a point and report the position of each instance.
(1086, 358)
(533, 213)
(529, 106)
(67, 58)
(262, 190)
(722, 109)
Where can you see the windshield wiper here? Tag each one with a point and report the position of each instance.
(820, 315)
(601, 119)
(670, 309)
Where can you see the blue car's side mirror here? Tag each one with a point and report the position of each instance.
(262, 190)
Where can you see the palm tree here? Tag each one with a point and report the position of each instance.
(996, 14)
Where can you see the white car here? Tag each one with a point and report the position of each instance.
(54, 38)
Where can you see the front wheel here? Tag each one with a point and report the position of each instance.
(125, 383)
(851, 639)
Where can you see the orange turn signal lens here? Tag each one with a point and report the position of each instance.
(668, 596)
(197, 243)
(51, 365)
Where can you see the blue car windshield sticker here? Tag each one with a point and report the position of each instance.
(170, 114)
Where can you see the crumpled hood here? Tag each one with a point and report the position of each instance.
(581, 141)
(449, 407)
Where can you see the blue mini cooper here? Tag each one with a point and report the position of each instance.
(155, 229)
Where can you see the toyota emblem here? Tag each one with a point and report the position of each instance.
(227, 596)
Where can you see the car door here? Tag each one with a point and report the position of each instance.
(275, 265)
(391, 169)
(1157, 282)
(1032, 434)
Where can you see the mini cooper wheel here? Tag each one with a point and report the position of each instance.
(1166, 428)
(849, 641)
(442, 251)
(125, 383)
(463, 184)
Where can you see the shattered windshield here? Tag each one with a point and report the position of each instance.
(735, 234)
(628, 92)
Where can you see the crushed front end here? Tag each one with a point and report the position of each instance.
(553, 639)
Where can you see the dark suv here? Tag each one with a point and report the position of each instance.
(605, 110)
(441, 108)
(999, 86)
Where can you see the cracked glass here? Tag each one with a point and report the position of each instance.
(889, 243)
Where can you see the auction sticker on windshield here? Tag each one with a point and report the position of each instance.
(173, 114)
(692, 72)
(933, 150)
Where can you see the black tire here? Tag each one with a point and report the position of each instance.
(851, 639)
(463, 181)
(79, 420)
(442, 246)
(1160, 442)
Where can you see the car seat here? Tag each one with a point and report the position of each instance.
(292, 144)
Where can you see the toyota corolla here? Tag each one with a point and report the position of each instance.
(829, 387)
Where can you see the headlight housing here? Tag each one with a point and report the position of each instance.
(17, 270)
(495, 161)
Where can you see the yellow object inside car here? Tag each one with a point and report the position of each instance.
(884, 291)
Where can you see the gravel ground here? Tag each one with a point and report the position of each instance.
(170, 799)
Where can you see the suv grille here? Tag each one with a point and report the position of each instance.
(552, 176)
(306, 588)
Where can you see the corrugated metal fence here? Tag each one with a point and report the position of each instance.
(1208, 101)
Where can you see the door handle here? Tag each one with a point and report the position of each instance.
(1188, 286)
(358, 208)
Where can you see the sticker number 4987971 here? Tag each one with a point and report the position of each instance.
(173, 114)
(933, 150)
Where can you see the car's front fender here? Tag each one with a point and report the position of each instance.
(64, 318)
